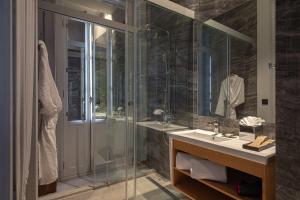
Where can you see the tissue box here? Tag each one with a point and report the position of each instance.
(249, 133)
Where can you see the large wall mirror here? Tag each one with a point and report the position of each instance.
(235, 78)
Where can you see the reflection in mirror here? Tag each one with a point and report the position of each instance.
(226, 75)
(227, 64)
(212, 68)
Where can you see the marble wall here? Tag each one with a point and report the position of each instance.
(169, 63)
(288, 99)
(158, 158)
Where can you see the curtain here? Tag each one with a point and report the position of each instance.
(25, 98)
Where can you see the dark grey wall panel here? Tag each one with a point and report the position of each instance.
(6, 100)
(288, 99)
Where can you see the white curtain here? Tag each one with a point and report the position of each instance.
(25, 95)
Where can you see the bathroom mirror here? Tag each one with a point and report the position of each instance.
(231, 79)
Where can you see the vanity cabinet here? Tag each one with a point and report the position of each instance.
(211, 190)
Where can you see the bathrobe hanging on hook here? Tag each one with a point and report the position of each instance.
(51, 105)
(232, 94)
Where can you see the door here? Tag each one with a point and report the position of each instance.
(112, 127)
(76, 136)
(97, 139)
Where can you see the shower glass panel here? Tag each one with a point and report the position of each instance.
(96, 79)
(113, 10)
(72, 50)
(164, 82)
(100, 72)
(110, 118)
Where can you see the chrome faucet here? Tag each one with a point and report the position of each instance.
(168, 118)
(215, 125)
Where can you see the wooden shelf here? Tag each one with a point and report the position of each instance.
(227, 189)
(197, 191)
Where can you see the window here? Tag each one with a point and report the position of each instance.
(96, 71)
(76, 71)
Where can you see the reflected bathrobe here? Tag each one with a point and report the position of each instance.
(50, 106)
(231, 97)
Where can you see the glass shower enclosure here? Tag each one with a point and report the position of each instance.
(111, 76)
(92, 63)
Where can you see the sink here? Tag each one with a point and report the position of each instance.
(207, 137)
(204, 135)
(161, 126)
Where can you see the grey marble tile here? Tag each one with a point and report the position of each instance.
(287, 99)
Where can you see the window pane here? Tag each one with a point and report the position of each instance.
(76, 70)
(100, 39)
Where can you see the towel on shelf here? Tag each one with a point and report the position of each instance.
(205, 169)
(183, 161)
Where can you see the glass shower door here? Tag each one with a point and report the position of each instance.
(111, 129)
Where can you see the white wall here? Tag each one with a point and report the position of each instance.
(266, 55)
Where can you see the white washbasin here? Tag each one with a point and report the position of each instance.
(204, 135)
(207, 137)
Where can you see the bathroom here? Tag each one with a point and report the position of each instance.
(154, 99)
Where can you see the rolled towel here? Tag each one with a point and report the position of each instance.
(183, 161)
(204, 169)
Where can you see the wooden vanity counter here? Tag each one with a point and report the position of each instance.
(211, 190)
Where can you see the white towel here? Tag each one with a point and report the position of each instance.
(252, 121)
(183, 161)
(205, 169)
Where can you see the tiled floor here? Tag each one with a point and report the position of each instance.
(149, 187)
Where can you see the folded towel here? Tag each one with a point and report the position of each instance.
(205, 169)
(183, 161)
(251, 121)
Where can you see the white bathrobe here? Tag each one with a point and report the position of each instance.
(234, 96)
(51, 105)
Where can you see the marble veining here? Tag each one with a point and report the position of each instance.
(287, 99)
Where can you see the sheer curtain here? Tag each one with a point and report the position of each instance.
(25, 99)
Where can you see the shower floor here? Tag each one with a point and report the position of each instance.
(99, 178)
